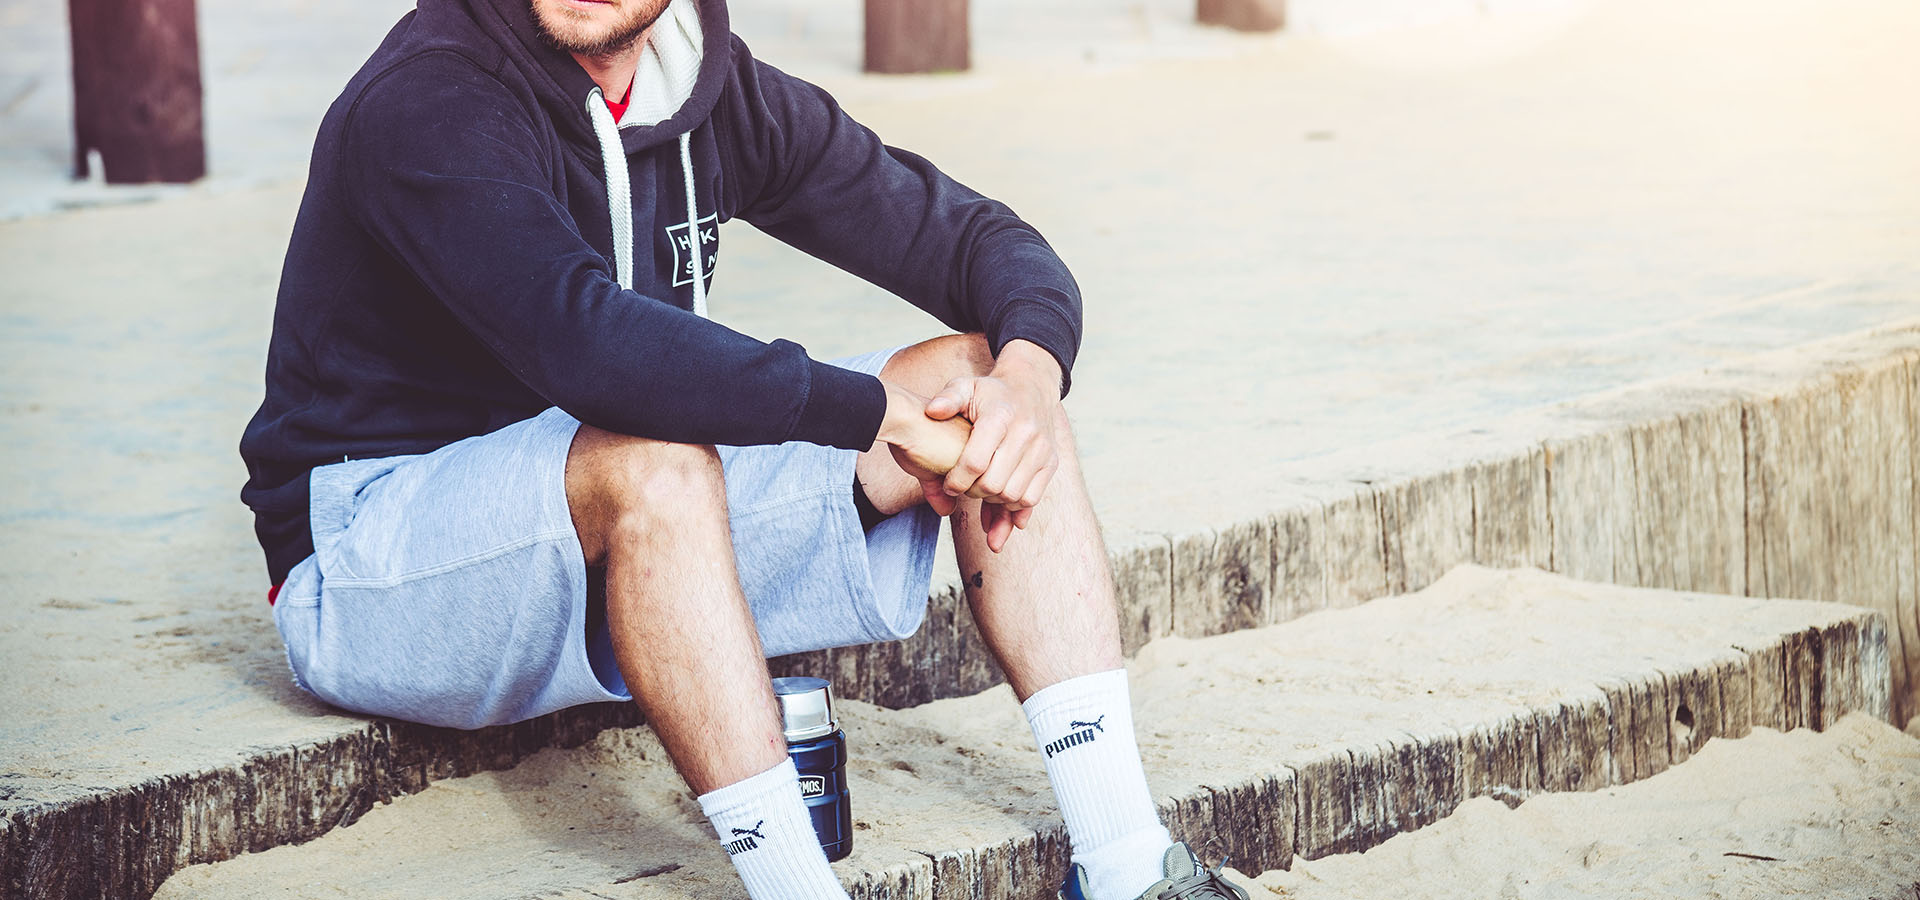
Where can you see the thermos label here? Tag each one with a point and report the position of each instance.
(812, 786)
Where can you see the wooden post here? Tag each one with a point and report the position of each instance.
(136, 90)
(908, 36)
(1244, 15)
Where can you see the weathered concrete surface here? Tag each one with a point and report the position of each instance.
(1686, 483)
(1328, 734)
(1321, 246)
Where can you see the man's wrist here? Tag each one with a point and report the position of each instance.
(902, 404)
(1026, 360)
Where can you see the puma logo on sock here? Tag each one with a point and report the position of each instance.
(744, 838)
(1083, 733)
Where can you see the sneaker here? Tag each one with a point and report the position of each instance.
(1186, 880)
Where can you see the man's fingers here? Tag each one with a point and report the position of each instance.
(1037, 489)
(987, 434)
(937, 498)
(952, 399)
(1032, 463)
(1010, 460)
(997, 522)
(1036, 464)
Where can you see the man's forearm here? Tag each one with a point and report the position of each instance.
(1029, 362)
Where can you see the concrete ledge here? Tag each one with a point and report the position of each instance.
(125, 842)
(1792, 473)
(1324, 735)
(1789, 475)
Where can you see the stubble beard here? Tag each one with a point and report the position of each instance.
(573, 32)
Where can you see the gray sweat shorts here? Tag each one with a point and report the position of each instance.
(449, 588)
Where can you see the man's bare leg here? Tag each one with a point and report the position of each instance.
(1045, 606)
(655, 515)
(1045, 602)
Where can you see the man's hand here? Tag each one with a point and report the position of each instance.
(924, 447)
(1011, 455)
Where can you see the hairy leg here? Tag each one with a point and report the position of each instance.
(1045, 603)
(655, 515)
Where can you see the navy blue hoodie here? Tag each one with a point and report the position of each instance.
(452, 267)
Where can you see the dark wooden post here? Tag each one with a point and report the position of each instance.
(1244, 15)
(136, 90)
(906, 36)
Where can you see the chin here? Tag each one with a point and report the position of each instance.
(594, 29)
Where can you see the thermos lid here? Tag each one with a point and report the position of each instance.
(806, 707)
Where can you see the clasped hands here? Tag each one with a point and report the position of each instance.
(989, 437)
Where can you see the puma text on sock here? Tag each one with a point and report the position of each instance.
(1084, 727)
(765, 829)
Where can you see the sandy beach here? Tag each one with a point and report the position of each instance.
(1801, 814)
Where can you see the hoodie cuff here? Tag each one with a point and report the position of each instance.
(1043, 325)
(843, 409)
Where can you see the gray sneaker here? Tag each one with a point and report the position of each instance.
(1186, 880)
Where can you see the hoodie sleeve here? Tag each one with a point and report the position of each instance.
(448, 175)
(810, 175)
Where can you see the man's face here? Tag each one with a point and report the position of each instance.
(595, 27)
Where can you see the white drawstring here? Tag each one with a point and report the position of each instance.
(694, 244)
(613, 158)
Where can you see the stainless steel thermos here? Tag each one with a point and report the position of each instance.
(819, 751)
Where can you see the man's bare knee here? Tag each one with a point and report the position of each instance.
(926, 367)
(619, 485)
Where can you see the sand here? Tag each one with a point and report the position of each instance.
(611, 819)
(1832, 814)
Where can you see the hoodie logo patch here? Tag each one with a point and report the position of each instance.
(683, 259)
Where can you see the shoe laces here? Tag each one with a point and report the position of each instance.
(1203, 883)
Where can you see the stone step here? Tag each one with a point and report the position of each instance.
(1322, 735)
(1832, 814)
(1689, 483)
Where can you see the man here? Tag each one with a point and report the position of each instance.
(506, 464)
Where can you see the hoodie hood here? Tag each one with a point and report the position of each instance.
(563, 87)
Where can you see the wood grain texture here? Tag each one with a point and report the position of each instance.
(1736, 693)
(1590, 507)
(911, 36)
(1143, 591)
(1439, 782)
(1689, 494)
(1573, 741)
(1222, 579)
(136, 90)
(1356, 566)
(1299, 545)
(1427, 527)
(1510, 519)
(1822, 464)
(1323, 805)
(1903, 627)
(1243, 15)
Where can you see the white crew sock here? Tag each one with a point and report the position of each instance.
(1084, 727)
(764, 826)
